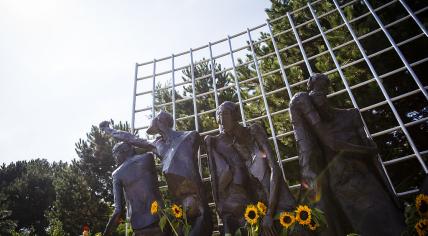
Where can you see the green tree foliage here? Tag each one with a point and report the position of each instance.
(76, 203)
(96, 163)
(27, 192)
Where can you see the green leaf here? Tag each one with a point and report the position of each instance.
(162, 222)
(237, 233)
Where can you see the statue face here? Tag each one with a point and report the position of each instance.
(225, 120)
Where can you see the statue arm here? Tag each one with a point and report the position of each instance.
(302, 104)
(262, 140)
(118, 208)
(126, 136)
(210, 153)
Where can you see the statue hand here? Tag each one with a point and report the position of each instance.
(267, 226)
(103, 125)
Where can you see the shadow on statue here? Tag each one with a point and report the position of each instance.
(178, 151)
(244, 171)
(340, 171)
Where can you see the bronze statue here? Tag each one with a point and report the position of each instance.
(178, 152)
(339, 169)
(135, 181)
(244, 170)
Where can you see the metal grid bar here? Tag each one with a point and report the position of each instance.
(400, 54)
(134, 99)
(262, 90)
(213, 76)
(154, 89)
(238, 88)
(384, 92)
(281, 66)
(302, 50)
(418, 22)
(174, 116)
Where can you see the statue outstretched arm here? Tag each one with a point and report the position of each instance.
(118, 208)
(126, 136)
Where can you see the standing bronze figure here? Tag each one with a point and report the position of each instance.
(135, 181)
(244, 170)
(178, 151)
(339, 169)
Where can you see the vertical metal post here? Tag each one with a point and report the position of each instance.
(278, 56)
(134, 99)
(154, 88)
(382, 88)
(400, 54)
(299, 42)
(262, 90)
(418, 22)
(213, 78)
(195, 108)
(173, 92)
(213, 75)
(336, 63)
(345, 82)
(238, 87)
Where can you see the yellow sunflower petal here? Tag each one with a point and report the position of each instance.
(154, 207)
(422, 205)
(422, 227)
(286, 219)
(303, 214)
(177, 211)
(251, 215)
(262, 208)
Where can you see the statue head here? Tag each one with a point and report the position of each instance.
(228, 116)
(163, 120)
(319, 83)
(122, 151)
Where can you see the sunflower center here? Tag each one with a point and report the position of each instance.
(252, 214)
(287, 219)
(304, 215)
(424, 207)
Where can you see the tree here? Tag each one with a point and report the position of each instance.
(27, 194)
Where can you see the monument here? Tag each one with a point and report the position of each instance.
(135, 181)
(339, 169)
(178, 152)
(243, 170)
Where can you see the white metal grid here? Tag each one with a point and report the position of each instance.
(277, 53)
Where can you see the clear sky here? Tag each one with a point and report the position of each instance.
(67, 65)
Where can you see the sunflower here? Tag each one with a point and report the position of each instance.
(303, 215)
(262, 208)
(177, 211)
(422, 227)
(286, 219)
(251, 215)
(154, 207)
(422, 205)
(313, 225)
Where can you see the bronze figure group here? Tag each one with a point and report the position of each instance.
(340, 173)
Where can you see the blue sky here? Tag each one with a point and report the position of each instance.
(67, 65)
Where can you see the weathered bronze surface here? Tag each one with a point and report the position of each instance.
(178, 151)
(244, 171)
(339, 169)
(135, 181)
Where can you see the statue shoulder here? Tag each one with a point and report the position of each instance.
(300, 97)
(257, 130)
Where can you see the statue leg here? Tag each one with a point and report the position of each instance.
(199, 216)
(230, 225)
